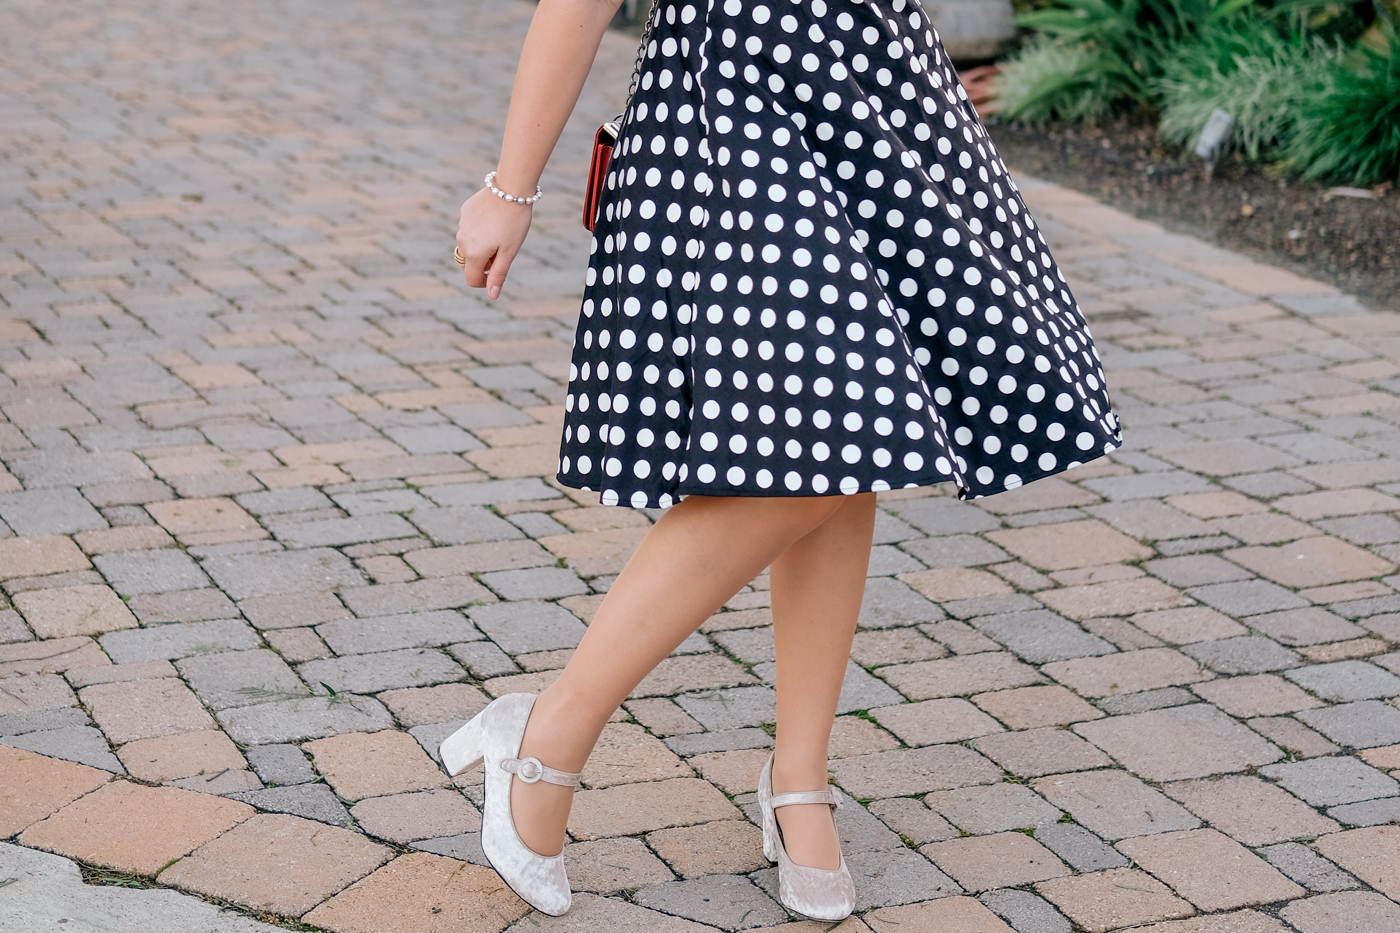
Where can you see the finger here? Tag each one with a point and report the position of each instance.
(496, 273)
(474, 269)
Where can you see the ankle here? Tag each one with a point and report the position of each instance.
(558, 736)
(799, 777)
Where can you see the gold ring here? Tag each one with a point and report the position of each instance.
(457, 255)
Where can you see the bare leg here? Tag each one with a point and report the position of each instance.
(692, 561)
(817, 587)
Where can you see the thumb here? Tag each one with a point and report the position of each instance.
(496, 272)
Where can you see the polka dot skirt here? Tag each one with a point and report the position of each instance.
(812, 275)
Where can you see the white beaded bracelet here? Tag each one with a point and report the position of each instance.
(490, 184)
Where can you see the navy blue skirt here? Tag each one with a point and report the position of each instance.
(813, 276)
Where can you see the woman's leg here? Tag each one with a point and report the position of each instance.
(817, 585)
(689, 565)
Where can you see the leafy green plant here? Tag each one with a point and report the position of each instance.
(1055, 80)
(1348, 127)
(1138, 33)
(1248, 69)
(1092, 55)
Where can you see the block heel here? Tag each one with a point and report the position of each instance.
(465, 748)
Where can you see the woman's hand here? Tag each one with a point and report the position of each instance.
(489, 234)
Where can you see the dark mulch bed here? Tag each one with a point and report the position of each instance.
(1354, 244)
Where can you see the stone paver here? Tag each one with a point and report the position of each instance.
(992, 808)
(277, 863)
(1371, 854)
(1032, 707)
(1250, 810)
(609, 865)
(1041, 751)
(635, 808)
(1338, 913)
(1210, 870)
(127, 826)
(710, 848)
(47, 892)
(1003, 860)
(423, 893)
(375, 765)
(1114, 804)
(1182, 742)
(727, 901)
(276, 515)
(1306, 867)
(957, 913)
(1113, 899)
(36, 786)
(1332, 780)
(74, 610)
(145, 709)
(167, 758)
(405, 818)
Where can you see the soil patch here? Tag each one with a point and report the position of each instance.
(1351, 243)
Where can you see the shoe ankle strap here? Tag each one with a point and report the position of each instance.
(827, 797)
(530, 770)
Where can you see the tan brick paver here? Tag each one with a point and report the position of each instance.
(715, 848)
(1002, 860)
(1113, 899)
(422, 893)
(959, 913)
(129, 827)
(1239, 921)
(1072, 544)
(33, 556)
(376, 765)
(634, 808)
(74, 610)
(176, 756)
(279, 863)
(36, 786)
(1372, 854)
(1210, 870)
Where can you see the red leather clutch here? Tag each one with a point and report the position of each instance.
(603, 144)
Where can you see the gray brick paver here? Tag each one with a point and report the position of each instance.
(191, 308)
(1328, 781)
(1307, 868)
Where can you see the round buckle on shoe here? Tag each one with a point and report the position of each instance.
(530, 770)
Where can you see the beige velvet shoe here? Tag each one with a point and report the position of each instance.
(493, 737)
(812, 892)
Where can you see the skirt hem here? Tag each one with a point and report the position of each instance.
(749, 492)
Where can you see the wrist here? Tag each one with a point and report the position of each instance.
(518, 195)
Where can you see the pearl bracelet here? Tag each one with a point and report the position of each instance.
(490, 184)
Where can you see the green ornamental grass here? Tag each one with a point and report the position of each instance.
(1092, 56)
(1291, 73)
(1249, 70)
(1348, 127)
(1051, 79)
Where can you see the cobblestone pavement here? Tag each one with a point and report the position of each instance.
(274, 523)
(42, 891)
